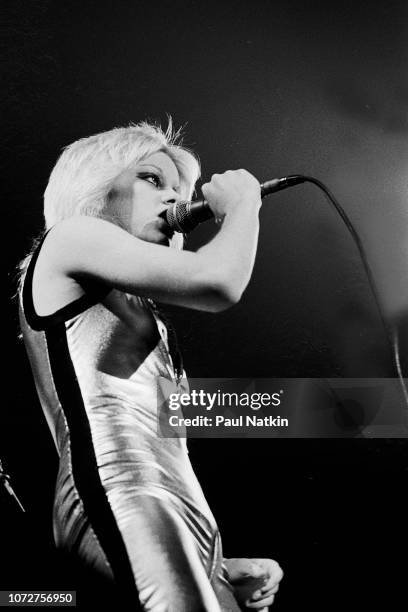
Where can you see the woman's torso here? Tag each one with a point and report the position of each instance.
(99, 364)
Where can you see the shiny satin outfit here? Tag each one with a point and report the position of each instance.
(127, 501)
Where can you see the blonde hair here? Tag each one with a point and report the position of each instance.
(81, 179)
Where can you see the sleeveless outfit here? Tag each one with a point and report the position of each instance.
(127, 502)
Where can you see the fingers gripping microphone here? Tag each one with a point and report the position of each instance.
(185, 216)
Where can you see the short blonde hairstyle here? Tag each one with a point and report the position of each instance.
(81, 179)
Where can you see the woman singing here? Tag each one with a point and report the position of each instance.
(127, 502)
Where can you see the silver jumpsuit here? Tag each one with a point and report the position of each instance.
(127, 501)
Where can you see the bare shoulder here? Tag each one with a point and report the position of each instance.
(66, 243)
(51, 288)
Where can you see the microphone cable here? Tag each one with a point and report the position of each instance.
(185, 216)
(390, 332)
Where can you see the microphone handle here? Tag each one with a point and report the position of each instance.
(200, 211)
(185, 216)
(267, 187)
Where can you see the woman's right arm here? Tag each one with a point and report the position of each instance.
(212, 279)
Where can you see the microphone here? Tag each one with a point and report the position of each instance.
(185, 216)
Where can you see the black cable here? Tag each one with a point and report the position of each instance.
(391, 334)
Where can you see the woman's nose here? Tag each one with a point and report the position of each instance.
(170, 197)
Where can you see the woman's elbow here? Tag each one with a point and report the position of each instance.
(223, 295)
(219, 289)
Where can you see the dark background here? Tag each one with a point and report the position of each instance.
(278, 88)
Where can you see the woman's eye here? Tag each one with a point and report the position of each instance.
(152, 178)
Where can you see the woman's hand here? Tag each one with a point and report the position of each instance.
(234, 188)
(255, 582)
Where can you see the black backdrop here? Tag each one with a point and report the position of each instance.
(278, 88)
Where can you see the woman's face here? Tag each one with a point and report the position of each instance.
(139, 195)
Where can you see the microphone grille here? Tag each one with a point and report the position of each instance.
(178, 217)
